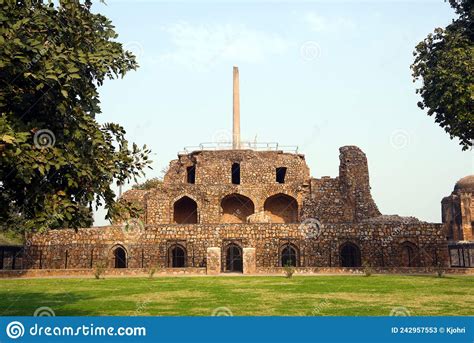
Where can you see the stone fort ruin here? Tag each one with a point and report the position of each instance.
(252, 208)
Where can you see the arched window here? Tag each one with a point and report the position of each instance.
(281, 208)
(120, 257)
(177, 256)
(233, 258)
(289, 256)
(185, 211)
(350, 255)
(409, 255)
(236, 208)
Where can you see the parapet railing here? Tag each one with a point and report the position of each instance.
(257, 146)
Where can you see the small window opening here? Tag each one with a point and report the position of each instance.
(280, 174)
(236, 173)
(191, 174)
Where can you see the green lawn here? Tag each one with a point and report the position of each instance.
(261, 296)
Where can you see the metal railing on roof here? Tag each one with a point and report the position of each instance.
(257, 146)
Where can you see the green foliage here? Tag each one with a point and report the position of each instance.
(99, 269)
(444, 61)
(289, 270)
(367, 269)
(9, 237)
(440, 270)
(56, 161)
(151, 272)
(148, 184)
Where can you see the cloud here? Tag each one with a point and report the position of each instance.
(201, 46)
(319, 23)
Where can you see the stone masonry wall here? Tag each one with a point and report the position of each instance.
(380, 244)
(342, 199)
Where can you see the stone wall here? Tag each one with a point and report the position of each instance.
(380, 244)
(345, 198)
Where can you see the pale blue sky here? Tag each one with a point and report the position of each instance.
(319, 75)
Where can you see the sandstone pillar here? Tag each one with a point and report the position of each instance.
(236, 111)
(213, 262)
(250, 261)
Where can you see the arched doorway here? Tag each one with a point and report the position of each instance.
(289, 256)
(233, 258)
(350, 255)
(185, 211)
(409, 255)
(120, 258)
(177, 256)
(236, 208)
(281, 208)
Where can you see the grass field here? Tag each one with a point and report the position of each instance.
(256, 296)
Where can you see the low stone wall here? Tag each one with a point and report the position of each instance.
(108, 272)
(130, 272)
(380, 244)
(360, 271)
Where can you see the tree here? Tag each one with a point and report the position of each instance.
(444, 61)
(56, 161)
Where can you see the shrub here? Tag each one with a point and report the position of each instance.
(289, 271)
(368, 271)
(151, 272)
(99, 269)
(440, 269)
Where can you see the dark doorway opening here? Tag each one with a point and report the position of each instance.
(289, 256)
(234, 261)
(280, 174)
(191, 174)
(350, 255)
(120, 257)
(236, 173)
(409, 256)
(177, 257)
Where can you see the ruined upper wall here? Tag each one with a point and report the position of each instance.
(354, 182)
(346, 198)
(256, 167)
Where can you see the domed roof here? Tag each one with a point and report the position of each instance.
(466, 184)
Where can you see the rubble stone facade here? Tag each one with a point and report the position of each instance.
(249, 211)
(457, 211)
